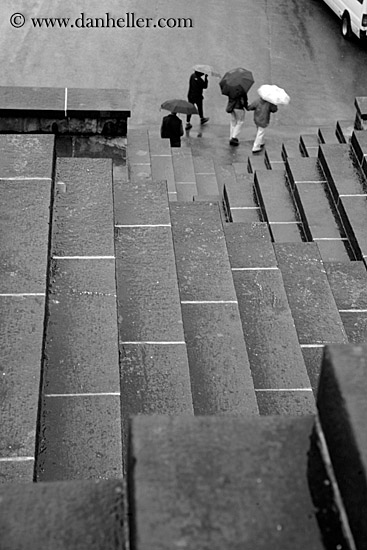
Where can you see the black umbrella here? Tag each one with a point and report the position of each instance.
(179, 106)
(235, 82)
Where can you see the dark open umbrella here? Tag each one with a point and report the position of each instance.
(235, 82)
(179, 106)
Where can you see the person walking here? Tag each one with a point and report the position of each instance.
(262, 111)
(172, 129)
(195, 95)
(236, 108)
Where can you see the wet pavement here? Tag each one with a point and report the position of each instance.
(291, 43)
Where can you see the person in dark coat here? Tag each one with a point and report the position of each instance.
(236, 108)
(172, 129)
(195, 96)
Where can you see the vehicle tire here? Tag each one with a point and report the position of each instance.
(345, 27)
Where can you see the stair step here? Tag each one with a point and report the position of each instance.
(183, 165)
(308, 293)
(359, 145)
(220, 373)
(318, 212)
(201, 253)
(142, 203)
(206, 180)
(246, 463)
(276, 360)
(249, 245)
(138, 155)
(353, 211)
(348, 282)
(328, 135)
(219, 368)
(203, 165)
(341, 404)
(78, 515)
(80, 430)
(240, 195)
(301, 170)
(157, 145)
(275, 357)
(341, 171)
(207, 184)
(275, 196)
(162, 169)
(257, 161)
(309, 144)
(151, 338)
(161, 161)
(225, 175)
(186, 192)
(344, 130)
(345, 181)
(291, 149)
(25, 216)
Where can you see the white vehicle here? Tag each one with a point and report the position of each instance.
(353, 15)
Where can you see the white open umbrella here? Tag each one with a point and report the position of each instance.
(206, 69)
(273, 94)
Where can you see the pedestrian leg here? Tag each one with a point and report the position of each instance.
(199, 104)
(237, 119)
(232, 124)
(240, 118)
(188, 123)
(259, 140)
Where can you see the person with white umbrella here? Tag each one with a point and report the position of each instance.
(269, 97)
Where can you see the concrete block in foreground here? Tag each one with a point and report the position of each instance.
(83, 515)
(342, 406)
(221, 482)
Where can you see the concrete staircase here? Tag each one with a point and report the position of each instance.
(179, 285)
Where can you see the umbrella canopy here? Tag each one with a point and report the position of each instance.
(273, 94)
(235, 82)
(206, 69)
(179, 106)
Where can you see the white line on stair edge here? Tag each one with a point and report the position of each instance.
(16, 459)
(244, 208)
(330, 239)
(152, 343)
(83, 257)
(355, 195)
(25, 178)
(310, 181)
(66, 102)
(313, 345)
(209, 302)
(283, 223)
(274, 268)
(23, 294)
(103, 394)
(145, 225)
(352, 310)
(283, 389)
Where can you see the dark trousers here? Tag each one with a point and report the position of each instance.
(199, 105)
(174, 142)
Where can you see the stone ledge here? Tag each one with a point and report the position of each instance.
(64, 110)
